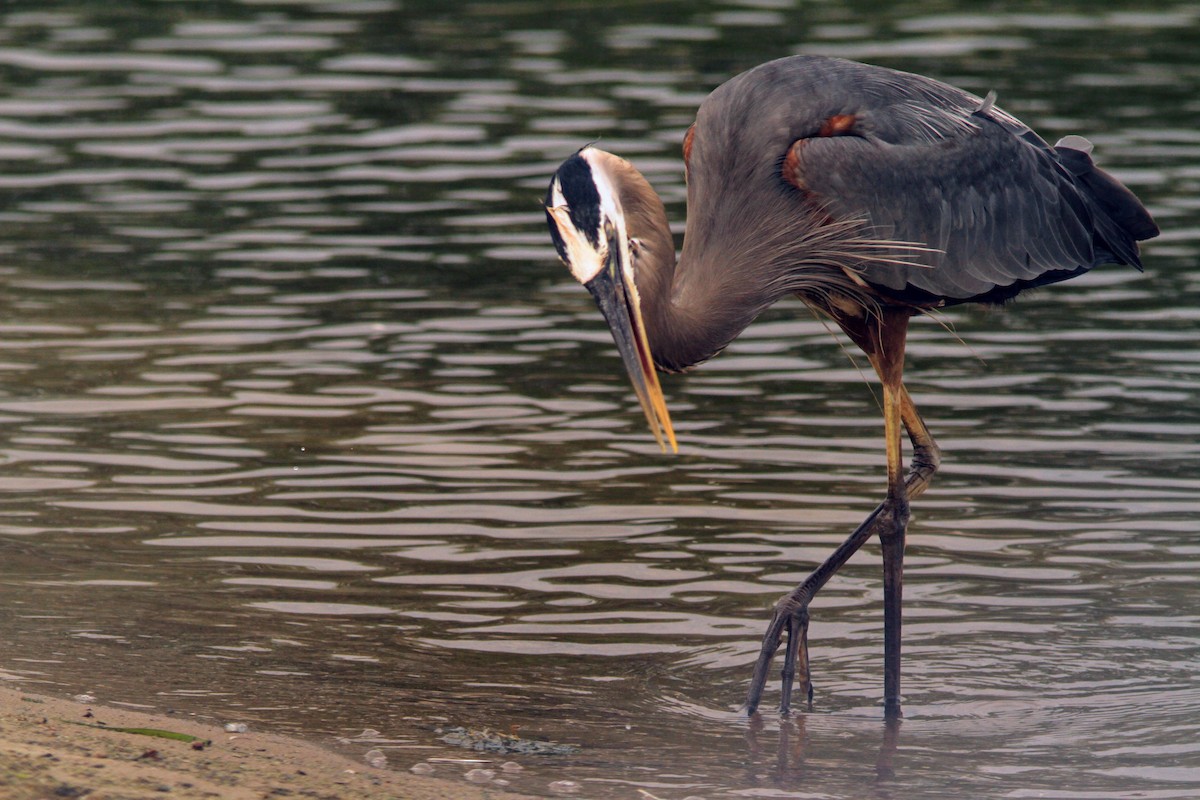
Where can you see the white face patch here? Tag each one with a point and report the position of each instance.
(610, 209)
(584, 259)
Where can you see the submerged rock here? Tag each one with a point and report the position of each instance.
(489, 741)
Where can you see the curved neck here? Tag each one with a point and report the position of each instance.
(740, 255)
(732, 270)
(689, 319)
(697, 305)
(691, 308)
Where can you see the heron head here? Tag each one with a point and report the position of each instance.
(587, 224)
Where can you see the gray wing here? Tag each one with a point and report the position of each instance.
(997, 208)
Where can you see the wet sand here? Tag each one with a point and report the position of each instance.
(51, 748)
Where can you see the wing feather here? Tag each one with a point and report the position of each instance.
(998, 205)
(939, 196)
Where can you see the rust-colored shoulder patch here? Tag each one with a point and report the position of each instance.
(687, 144)
(791, 166)
(838, 125)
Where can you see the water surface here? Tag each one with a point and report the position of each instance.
(304, 427)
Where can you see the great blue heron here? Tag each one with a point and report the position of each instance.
(872, 195)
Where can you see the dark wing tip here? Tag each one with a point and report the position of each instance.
(1111, 196)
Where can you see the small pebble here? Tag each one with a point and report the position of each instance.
(375, 758)
(421, 768)
(564, 787)
(480, 775)
(236, 727)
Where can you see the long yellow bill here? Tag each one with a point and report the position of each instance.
(618, 305)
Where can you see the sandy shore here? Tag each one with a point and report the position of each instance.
(52, 748)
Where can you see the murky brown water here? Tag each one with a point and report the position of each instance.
(303, 426)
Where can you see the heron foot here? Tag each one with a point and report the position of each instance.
(888, 520)
(789, 615)
(795, 660)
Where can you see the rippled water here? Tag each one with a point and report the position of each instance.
(304, 426)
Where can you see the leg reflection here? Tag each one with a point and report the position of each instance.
(885, 764)
(790, 752)
(796, 744)
(793, 742)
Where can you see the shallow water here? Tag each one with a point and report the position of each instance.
(304, 426)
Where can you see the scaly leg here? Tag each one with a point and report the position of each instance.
(889, 363)
(882, 338)
(795, 603)
(795, 659)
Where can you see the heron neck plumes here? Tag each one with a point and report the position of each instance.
(734, 264)
(696, 305)
(687, 321)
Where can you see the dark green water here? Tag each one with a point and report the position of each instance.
(304, 426)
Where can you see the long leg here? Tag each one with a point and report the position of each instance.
(880, 341)
(889, 363)
(925, 461)
(795, 603)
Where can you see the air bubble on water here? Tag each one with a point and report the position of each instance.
(511, 766)
(480, 775)
(375, 758)
(564, 787)
(236, 727)
(84, 698)
(421, 768)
